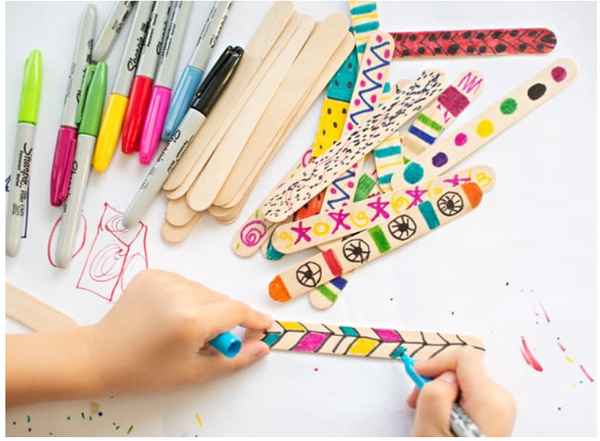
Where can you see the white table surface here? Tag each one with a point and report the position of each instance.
(531, 244)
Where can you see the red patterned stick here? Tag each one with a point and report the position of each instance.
(473, 42)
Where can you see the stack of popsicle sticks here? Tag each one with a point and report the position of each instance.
(296, 69)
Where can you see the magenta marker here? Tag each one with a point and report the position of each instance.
(161, 91)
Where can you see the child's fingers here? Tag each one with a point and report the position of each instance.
(252, 350)
(466, 362)
(218, 317)
(434, 406)
(411, 400)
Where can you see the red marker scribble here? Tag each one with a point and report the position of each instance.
(545, 313)
(588, 376)
(528, 356)
(562, 348)
(51, 238)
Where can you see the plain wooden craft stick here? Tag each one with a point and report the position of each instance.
(323, 170)
(375, 242)
(34, 313)
(357, 341)
(255, 52)
(359, 216)
(256, 152)
(178, 212)
(486, 126)
(174, 234)
(205, 189)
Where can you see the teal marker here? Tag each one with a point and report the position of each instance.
(21, 169)
(227, 344)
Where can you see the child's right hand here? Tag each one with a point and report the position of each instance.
(460, 372)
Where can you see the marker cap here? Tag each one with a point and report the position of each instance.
(110, 129)
(227, 344)
(136, 110)
(94, 101)
(32, 88)
(153, 123)
(182, 99)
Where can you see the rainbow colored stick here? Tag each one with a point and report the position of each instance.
(358, 341)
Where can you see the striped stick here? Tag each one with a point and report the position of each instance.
(365, 20)
(375, 242)
(359, 341)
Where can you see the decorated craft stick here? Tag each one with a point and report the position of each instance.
(253, 233)
(487, 125)
(255, 52)
(370, 82)
(323, 170)
(375, 242)
(359, 341)
(365, 20)
(359, 216)
(473, 42)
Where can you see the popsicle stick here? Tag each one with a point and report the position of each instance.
(378, 240)
(178, 212)
(487, 125)
(359, 216)
(473, 42)
(205, 189)
(359, 341)
(176, 234)
(34, 313)
(372, 77)
(255, 52)
(323, 170)
(365, 20)
(300, 88)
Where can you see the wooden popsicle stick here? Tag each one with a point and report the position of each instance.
(255, 153)
(174, 234)
(375, 242)
(365, 20)
(372, 76)
(251, 235)
(360, 341)
(473, 42)
(178, 212)
(205, 189)
(323, 170)
(487, 125)
(359, 216)
(34, 313)
(255, 52)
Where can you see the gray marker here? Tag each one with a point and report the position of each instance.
(208, 94)
(111, 30)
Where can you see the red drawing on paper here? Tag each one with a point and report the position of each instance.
(115, 256)
(51, 239)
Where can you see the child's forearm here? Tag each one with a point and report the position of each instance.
(55, 365)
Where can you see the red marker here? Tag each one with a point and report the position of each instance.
(142, 82)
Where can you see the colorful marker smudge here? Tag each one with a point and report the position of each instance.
(528, 356)
(588, 376)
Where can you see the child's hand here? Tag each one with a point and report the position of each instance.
(156, 336)
(460, 372)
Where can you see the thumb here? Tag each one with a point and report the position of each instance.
(434, 406)
(252, 350)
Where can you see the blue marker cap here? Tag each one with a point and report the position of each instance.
(182, 99)
(227, 344)
(409, 366)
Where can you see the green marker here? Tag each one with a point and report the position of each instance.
(19, 181)
(89, 116)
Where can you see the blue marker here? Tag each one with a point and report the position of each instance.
(460, 423)
(227, 344)
(194, 71)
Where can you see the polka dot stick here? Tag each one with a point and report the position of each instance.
(355, 341)
(294, 193)
(486, 126)
(379, 239)
(359, 216)
(482, 42)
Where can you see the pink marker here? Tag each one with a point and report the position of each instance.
(161, 91)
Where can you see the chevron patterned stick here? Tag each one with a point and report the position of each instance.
(322, 171)
(359, 341)
(482, 42)
(365, 20)
(375, 242)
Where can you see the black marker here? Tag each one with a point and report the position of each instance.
(205, 99)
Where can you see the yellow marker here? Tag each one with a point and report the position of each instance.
(110, 130)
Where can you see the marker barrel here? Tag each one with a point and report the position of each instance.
(111, 30)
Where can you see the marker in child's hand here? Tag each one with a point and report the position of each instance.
(227, 344)
(460, 423)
